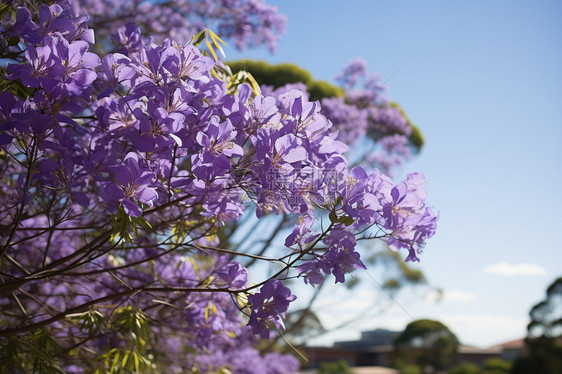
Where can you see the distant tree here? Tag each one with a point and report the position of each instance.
(496, 365)
(544, 335)
(465, 368)
(281, 74)
(409, 369)
(428, 343)
(546, 316)
(336, 367)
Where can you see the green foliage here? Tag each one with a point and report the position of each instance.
(32, 354)
(124, 361)
(544, 341)
(336, 367)
(403, 367)
(42, 348)
(426, 343)
(416, 136)
(273, 75)
(465, 368)
(243, 77)
(544, 357)
(15, 87)
(90, 321)
(405, 274)
(546, 316)
(212, 42)
(128, 320)
(409, 369)
(496, 365)
(132, 325)
(11, 356)
(321, 89)
(281, 74)
(125, 227)
(346, 220)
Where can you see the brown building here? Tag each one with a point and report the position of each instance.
(375, 348)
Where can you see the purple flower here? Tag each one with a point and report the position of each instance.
(45, 69)
(115, 70)
(79, 64)
(157, 127)
(185, 62)
(301, 235)
(341, 258)
(234, 275)
(218, 147)
(408, 199)
(131, 183)
(129, 37)
(411, 222)
(25, 27)
(341, 254)
(269, 305)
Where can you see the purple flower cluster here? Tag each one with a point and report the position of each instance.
(368, 200)
(249, 22)
(269, 305)
(363, 119)
(125, 175)
(363, 114)
(57, 53)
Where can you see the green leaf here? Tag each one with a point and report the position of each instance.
(255, 86)
(211, 50)
(12, 350)
(125, 358)
(115, 360)
(217, 42)
(343, 219)
(346, 220)
(136, 359)
(197, 39)
(4, 10)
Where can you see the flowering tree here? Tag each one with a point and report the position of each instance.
(125, 178)
(249, 23)
(365, 119)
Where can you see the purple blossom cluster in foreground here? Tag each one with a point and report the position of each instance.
(120, 176)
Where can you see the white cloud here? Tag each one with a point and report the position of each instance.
(454, 296)
(509, 270)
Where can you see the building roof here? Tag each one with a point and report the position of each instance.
(467, 349)
(517, 343)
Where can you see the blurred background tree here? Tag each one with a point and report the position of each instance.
(494, 365)
(544, 335)
(336, 367)
(427, 343)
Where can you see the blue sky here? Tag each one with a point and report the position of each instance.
(484, 84)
